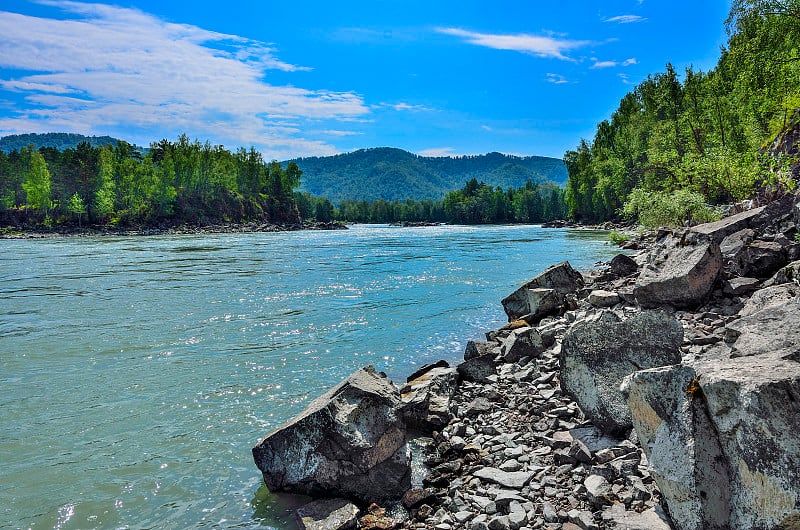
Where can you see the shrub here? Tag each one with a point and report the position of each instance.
(658, 208)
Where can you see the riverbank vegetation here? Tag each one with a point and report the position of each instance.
(701, 138)
(475, 203)
(175, 182)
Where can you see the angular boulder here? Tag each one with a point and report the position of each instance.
(349, 442)
(677, 435)
(327, 514)
(561, 278)
(596, 356)
(681, 273)
(426, 398)
(762, 259)
(719, 230)
(623, 265)
(773, 329)
(523, 342)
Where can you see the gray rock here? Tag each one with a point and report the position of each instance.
(602, 298)
(499, 522)
(718, 230)
(508, 479)
(680, 442)
(680, 273)
(623, 265)
(597, 356)
(617, 518)
(327, 514)
(755, 407)
(788, 274)
(351, 442)
(476, 349)
(774, 329)
(769, 297)
(740, 286)
(763, 258)
(426, 398)
(561, 278)
(477, 369)
(522, 342)
(598, 490)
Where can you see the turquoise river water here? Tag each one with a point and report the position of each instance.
(137, 373)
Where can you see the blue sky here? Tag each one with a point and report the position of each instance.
(316, 78)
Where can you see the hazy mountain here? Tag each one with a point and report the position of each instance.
(394, 174)
(59, 141)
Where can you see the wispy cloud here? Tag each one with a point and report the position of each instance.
(546, 46)
(626, 19)
(402, 106)
(556, 79)
(105, 69)
(437, 152)
(612, 64)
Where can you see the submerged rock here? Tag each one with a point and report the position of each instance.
(349, 442)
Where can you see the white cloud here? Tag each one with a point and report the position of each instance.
(109, 69)
(626, 19)
(604, 64)
(438, 152)
(611, 64)
(486, 128)
(540, 46)
(556, 79)
(402, 106)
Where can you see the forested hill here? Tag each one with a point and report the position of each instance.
(60, 141)
(394, 174)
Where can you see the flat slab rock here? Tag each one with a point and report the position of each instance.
(509, 479)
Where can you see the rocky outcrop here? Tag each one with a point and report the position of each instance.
(544, 294)
(597, 355)
(349, 442)
(680, 273)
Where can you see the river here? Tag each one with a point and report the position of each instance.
(138, 372)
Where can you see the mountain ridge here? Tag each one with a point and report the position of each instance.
(395, 174)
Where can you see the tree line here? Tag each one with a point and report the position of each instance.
(183, 181)
(476, 203)
(701, 138)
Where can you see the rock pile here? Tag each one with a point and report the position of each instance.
(660, 391)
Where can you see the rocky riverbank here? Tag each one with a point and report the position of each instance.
(24, 232)
(661, 390)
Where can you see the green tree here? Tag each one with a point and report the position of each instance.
(76, 206)
(37, 183)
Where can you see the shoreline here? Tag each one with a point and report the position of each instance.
(582, 413)
(105, 231)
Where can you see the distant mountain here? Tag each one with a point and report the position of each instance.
(60, 141)
(394, 174)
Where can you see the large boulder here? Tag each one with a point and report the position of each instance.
(596, 356)
(349, 442)
(522, 342)
(775, 328)
(680, 272)
(719, 230)
(722, 433)
(677, 436)
(544, 294)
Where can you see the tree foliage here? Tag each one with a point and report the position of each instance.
(476, 203)
(704, 133)
(174, 182)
